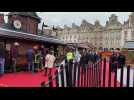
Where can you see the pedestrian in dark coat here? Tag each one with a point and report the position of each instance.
(84, 62)
(30, 59)
(43, 55)
(121, 60)
(14, 55)
(113, 61)
(2, 59)
(84, 65)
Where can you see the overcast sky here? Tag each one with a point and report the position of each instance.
(62, 18)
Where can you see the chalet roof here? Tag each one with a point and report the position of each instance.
(85, 23)
(129, 45)
(30, 14)
(75, 26)
(27, 36)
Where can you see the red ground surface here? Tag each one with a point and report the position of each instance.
(29, 79)
(23, 79)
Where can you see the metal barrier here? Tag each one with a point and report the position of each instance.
(94, 75)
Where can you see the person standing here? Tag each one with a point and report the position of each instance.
(14, 54)
(49, 63)
(69, 60)
(77, 56)
(121, 60)
(113, 61)
(36, 58)
(76, 61)
(89, 56)
(94, 57)
(43, 54)
(2, 59)
(30, 59)
(84, 64)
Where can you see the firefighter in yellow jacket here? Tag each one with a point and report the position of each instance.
(37, 59)
(70, 56)
(69, 59)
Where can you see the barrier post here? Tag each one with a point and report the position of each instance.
(97, 73)
(85, 73)
(128, 75)
(74, 74)
(133, 77)
(50, 81)
(104, 72)
(100, 71)
(109, 79)
(67, 66)
(62, 75)
(90, 75)
(94, 75)
(121, 77)
(65, 77)
(115, 77)
(92, 78)
(43, 84)
(78, 80)
(57, 79)
(86, 76)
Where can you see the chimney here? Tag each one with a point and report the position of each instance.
(1, 19)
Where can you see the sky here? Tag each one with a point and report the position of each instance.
(67, 18)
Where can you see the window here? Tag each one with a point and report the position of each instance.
(133, 34)
(74, 36)
(70, 36)
(125, 35)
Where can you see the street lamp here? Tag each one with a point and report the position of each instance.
(55, 29)
(43, 25)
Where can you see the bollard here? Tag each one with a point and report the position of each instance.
(128, 75)
(104, 72)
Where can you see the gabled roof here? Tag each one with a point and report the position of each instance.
(30, 14)
(28, 36)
